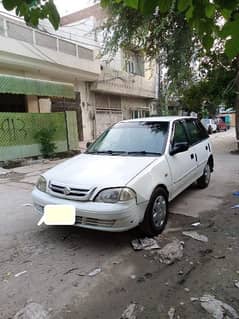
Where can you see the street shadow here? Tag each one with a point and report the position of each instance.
(70, 237)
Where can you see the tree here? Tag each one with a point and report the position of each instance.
(213, 22)
(34, 10)
(167, 39)
(216, 87)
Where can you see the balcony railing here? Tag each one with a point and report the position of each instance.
(19, 31)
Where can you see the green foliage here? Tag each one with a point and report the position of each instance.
(45, 138)
(218, 86)
(166, 38)
(34, 10)
(201, 16)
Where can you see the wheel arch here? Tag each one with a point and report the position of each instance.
(163, 187)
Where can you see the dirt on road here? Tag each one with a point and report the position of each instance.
(206, 268)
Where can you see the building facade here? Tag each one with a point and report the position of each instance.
(125, 87)
(43, 70)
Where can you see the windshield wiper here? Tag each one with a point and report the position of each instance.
(110, 152)
(144, 153)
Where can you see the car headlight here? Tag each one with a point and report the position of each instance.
(114, 195)
(41, 184)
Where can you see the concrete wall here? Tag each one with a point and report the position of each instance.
(88, 110)
(45, 105)
(129, 105)
(32, 104)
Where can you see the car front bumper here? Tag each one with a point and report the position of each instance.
(101, 216)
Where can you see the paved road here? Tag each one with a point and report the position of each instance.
(55, 258)
(193, 201)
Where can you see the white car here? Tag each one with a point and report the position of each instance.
(210, 125)
(130, 173)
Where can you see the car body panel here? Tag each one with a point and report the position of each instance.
(92, 173)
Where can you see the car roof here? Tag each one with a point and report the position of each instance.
(159, 119)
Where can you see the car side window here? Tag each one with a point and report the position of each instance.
(193, 131)
(180, 135)
(203, 131)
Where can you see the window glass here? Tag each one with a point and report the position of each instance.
(193, 131)
(203, 131)
(132, 137)
(179, 134)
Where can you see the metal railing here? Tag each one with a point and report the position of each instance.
(18, 31)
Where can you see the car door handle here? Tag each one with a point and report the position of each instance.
(192, 156)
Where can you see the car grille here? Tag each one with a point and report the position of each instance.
(94, 221)
(69, 192)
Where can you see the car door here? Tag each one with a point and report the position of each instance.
(199, 144)
(182, 165)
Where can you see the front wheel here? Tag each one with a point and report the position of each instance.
(204, 180)
(156, 214)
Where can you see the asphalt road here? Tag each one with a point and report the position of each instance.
(56, 261)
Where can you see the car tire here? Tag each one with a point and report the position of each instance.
(156, 214)
(209, 129)
(204, 180)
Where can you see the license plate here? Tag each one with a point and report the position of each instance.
(59, 215)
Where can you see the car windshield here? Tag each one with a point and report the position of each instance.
(142, 138)
(205, 121)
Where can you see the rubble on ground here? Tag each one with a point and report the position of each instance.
(32, 311)
(196, 236)
(170, 252)
(217, 308)
(131, 311)
(145, 244)
(171, 313)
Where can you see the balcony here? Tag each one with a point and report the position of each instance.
(27, 47)
(123, 83)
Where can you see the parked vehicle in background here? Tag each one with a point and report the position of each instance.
(209, 125)
(221, 125)
(127, 177)
(226, 119)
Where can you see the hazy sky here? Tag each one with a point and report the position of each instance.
(69, 6)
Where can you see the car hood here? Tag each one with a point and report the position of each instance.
(89, 171)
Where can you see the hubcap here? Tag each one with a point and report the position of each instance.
(207, 174)
(159, 211)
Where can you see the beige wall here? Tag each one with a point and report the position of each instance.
(45, 105)
(132, 104)
(88, 110)
(233, 119)
(32, 104)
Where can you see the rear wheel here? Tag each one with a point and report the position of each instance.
(204, 180)
(156, 214)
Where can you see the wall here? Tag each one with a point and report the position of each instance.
(17, 133)
(32, 104)
(132, 104)
(88, 110)
(45, 105)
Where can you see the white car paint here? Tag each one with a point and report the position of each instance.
(209, 123)
(142, 174)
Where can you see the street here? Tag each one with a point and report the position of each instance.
(52, 266)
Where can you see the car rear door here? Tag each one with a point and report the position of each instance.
(199, 144)
(182, 165)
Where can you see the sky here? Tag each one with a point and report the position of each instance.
(68, 6)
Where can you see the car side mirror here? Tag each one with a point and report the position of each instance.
(88, 144)
(179, 148)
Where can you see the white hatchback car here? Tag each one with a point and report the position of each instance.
(209, 125)
(130, 173)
